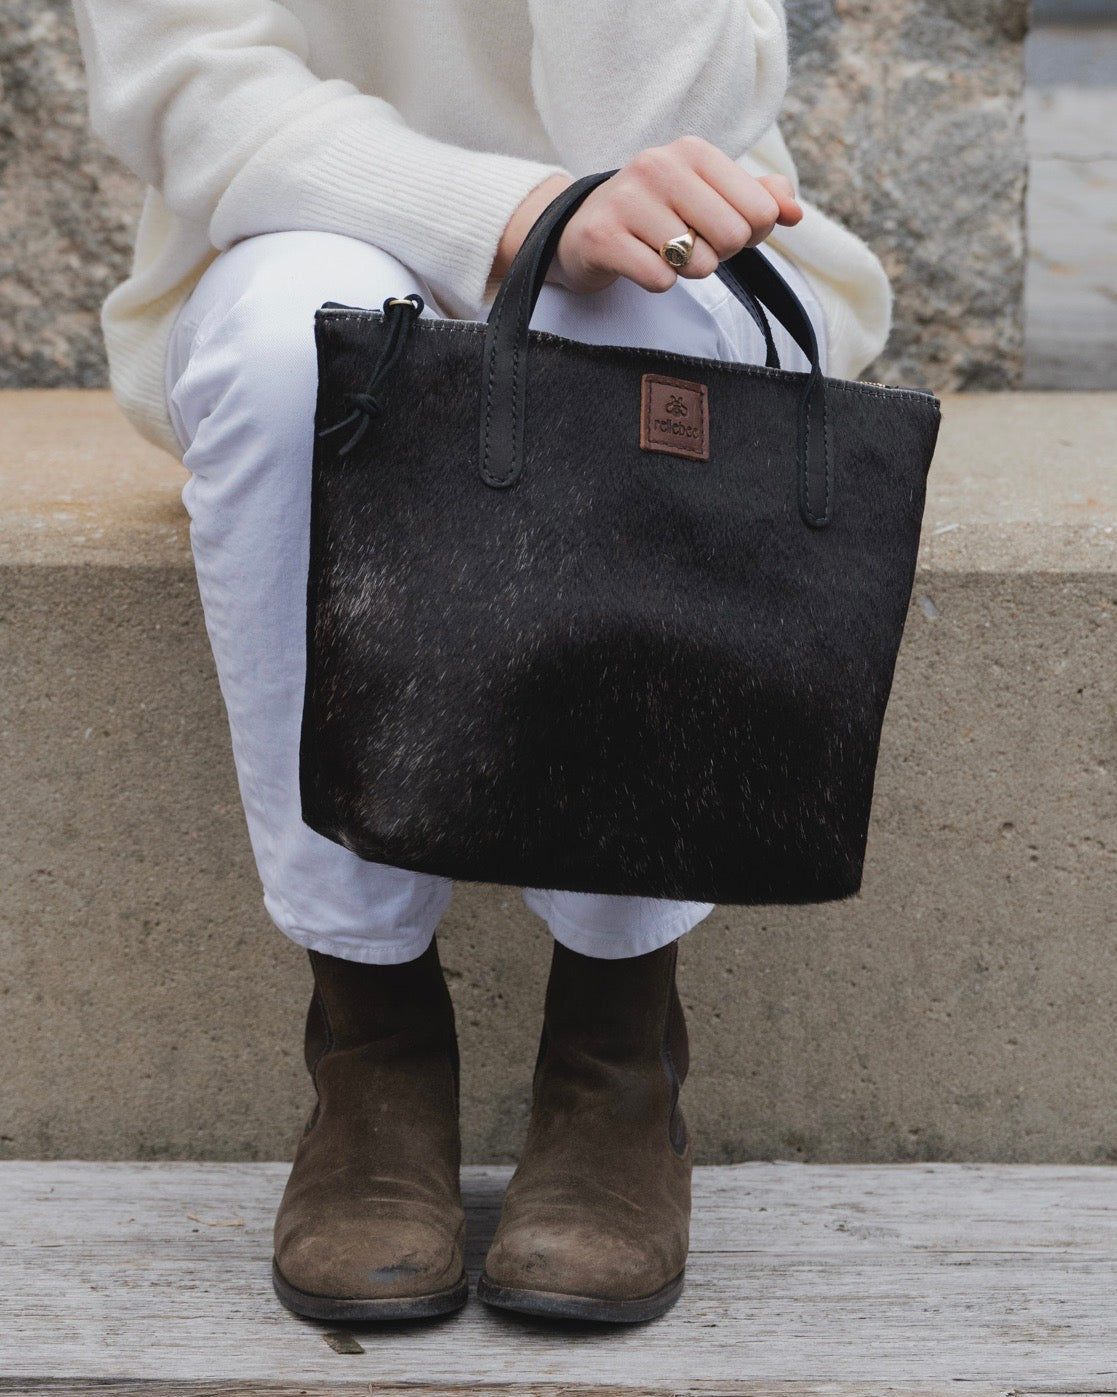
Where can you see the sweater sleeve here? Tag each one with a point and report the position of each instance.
(648, 71)
(213, 104)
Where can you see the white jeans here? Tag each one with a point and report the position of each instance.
(241, 382)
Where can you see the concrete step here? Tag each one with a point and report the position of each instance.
(919, 1280)
(959, 1008)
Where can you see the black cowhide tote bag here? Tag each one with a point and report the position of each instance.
(598, 618)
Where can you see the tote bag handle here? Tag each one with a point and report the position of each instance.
(748, 274)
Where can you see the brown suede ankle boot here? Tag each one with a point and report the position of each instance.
(371, 1223)
(596, 1219)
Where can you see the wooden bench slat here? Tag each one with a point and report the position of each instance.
(830, 1280)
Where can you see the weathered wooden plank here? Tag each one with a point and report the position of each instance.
(142, 1387)
(913, 1280)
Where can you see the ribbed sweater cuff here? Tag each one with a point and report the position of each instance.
(354, 169)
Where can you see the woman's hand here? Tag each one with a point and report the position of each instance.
(620, 226)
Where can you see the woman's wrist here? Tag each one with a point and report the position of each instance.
(525, 215)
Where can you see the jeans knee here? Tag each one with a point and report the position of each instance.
(250, 324)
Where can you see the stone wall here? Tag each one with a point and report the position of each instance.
(904, 116)
(67, 209)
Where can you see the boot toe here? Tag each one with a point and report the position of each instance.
(372, 1262)
(581, 1259)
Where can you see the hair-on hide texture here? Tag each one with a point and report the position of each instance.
(629, 672)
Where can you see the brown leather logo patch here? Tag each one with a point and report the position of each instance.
(674, 417)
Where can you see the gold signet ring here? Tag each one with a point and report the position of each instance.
(677, 251)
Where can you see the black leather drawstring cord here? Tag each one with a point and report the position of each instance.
(400, 313)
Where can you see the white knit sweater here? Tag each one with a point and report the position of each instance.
(420, 125)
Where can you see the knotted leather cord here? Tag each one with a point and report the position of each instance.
(400, 313)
